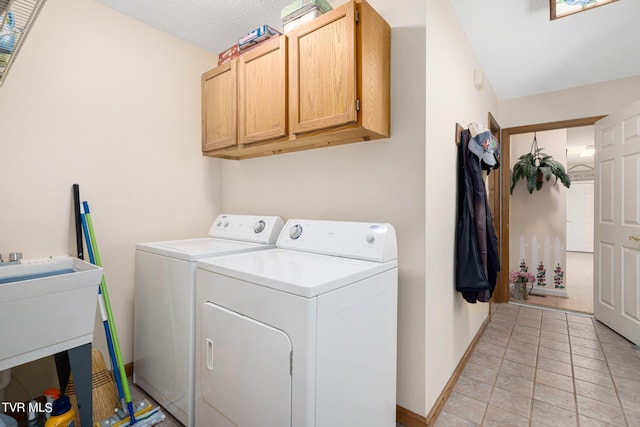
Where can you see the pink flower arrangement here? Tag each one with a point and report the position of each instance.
(521, 276)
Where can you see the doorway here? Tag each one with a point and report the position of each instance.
(502, 289)
(552, 229)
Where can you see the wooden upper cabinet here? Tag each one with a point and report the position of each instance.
(244, 100)
(322, 72)
(325, 83)
(219, 107)
(339, 77)
(262, 96)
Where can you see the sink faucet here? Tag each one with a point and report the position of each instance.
(14, 258)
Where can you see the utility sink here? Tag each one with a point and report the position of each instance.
(46, 306)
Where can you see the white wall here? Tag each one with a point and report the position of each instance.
(451, 323)
(382, 180)
(99, 99)
(585, 101)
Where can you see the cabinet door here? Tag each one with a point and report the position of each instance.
(262, 102)
(322, 71)
(219, 95)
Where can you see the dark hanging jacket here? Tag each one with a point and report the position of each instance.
(477, 262)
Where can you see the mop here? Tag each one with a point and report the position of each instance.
(143, 415)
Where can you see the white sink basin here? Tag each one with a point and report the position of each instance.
(46, 306)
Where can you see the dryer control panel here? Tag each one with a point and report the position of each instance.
(360, 240)
(248, 228)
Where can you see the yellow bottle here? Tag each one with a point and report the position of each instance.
(62, 414)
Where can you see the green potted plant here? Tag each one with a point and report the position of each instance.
(537, 166)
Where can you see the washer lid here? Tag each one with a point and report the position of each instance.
(300, 273)
(193, 249)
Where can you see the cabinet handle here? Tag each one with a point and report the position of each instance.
(634, 238)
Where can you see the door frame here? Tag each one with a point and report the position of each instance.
(501, 293)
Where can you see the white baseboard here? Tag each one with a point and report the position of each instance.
(539, 290)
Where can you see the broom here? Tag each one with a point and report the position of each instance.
(103, 390)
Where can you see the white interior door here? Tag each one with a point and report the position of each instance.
(580, 217)
(617, 222)
(246, 369)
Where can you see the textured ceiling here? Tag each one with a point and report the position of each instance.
(521, 51)
(213, 25)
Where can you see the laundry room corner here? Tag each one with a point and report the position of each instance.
(93, 100)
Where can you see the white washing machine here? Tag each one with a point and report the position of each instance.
(164, 305)
(301, 335)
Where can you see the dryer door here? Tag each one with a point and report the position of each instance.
(246, 368)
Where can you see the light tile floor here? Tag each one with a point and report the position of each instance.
(537, 367)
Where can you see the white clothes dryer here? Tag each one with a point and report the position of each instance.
(164, 305)
(301, 335)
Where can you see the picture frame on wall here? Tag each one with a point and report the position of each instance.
(562, 8)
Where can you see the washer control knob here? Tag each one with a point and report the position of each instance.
(259, 227)
(371, 238)
(219, 223)
(225, 224)
(295, 231)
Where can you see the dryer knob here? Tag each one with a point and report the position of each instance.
(259, 227)
(226, 224)
(219, 223)
(371, 238)
(295, 231)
